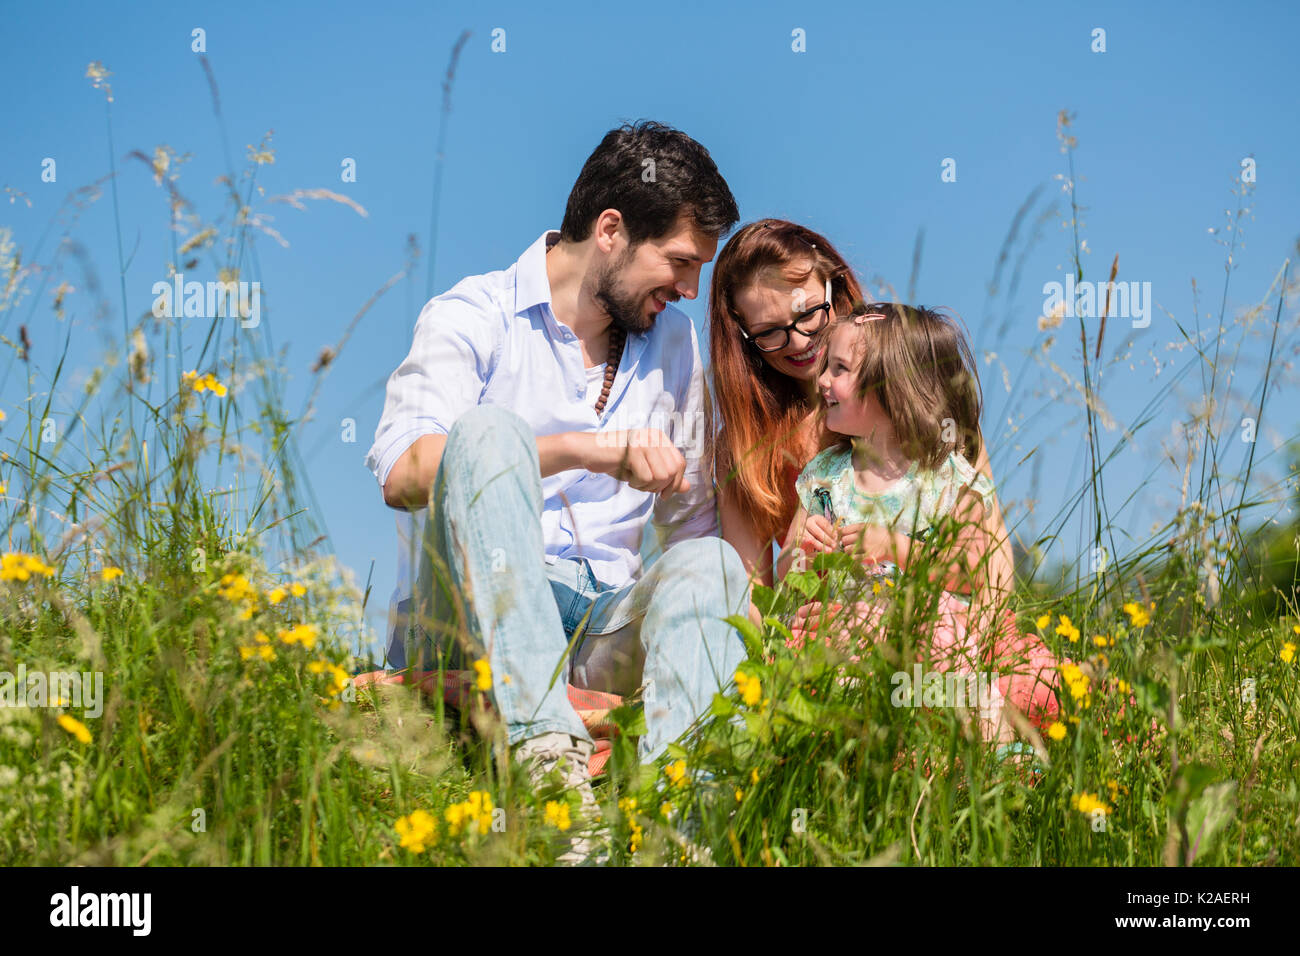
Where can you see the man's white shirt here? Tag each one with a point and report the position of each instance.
(493, 339)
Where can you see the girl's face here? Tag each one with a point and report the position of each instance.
(846, 412)
(771, 301)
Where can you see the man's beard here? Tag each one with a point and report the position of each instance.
(624, 311)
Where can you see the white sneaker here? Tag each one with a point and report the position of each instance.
(557, 764)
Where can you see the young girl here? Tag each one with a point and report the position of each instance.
(900, 384)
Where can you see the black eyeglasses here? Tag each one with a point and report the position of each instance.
(808, 323)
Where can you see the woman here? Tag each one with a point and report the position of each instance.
(775, 287)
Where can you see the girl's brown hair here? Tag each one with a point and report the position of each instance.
(918, 365)
(762, 408)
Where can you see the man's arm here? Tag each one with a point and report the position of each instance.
(638, 457)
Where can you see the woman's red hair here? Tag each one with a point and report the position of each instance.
(762, 408)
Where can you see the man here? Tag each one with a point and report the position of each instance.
(549, 400)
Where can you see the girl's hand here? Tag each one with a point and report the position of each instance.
(819, 535)
(868, 541)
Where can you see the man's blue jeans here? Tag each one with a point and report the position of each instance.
(484, 582)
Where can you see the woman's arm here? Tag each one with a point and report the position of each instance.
(739, 532)
(793, 542)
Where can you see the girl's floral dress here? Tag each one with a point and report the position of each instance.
(914, 505)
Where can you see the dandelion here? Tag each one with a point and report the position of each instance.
(75, 727)
(740, 794)
(417, 830)
(1137, 614)
(20, 567)
(297, 590)
(110, 574)
(1067, 629)
(1078, 683)
(1123, 686)
(1287, 653)
(557, 814)
(751, 689)
(1100, 640)
(1056, 731)
(1043, 621)
(304, 634)
(636, 839)
(483, 675)
(676, 772)
(204, 383)
(276, 595)
(1087, 804)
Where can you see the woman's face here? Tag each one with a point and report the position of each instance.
(771, 301)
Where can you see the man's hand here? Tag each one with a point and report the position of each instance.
(645, 458)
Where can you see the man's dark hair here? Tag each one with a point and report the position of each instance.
(650, 173)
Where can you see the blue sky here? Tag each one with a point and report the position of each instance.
(847, 137)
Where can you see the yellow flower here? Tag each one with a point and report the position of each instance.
(261, 638)
(666, 809)
(1067, 630)
(637, 838)
(246, 652)
(1101, 640)
(676, 772)
(751, 688)
(275, 595)
(1137, 614)
(740, 795)
(753, 776)
(318, 667)
(627, 805)
(266, 653)
(1287, 653)
(483, 675)
(1043, 621)
(1056, 731)
(110, 574)
(74, 727)
(557, 815)
(297, 590)
(1078, 683)
(20, 567)
(417, 830)
(304, 634)
(1086, 803)
(246, 614)
(3, 487)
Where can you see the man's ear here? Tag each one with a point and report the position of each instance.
(609, 232)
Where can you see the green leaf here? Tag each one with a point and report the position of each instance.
(764, 599)
(749, 633)
(805, 582)
(799, 708)
(722, 706)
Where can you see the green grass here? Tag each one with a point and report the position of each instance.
(209, 754)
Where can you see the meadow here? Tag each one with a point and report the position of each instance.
(165, 543)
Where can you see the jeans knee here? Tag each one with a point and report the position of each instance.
(489, 437)
(710, 560)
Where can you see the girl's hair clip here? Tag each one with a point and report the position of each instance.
(868, 317)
